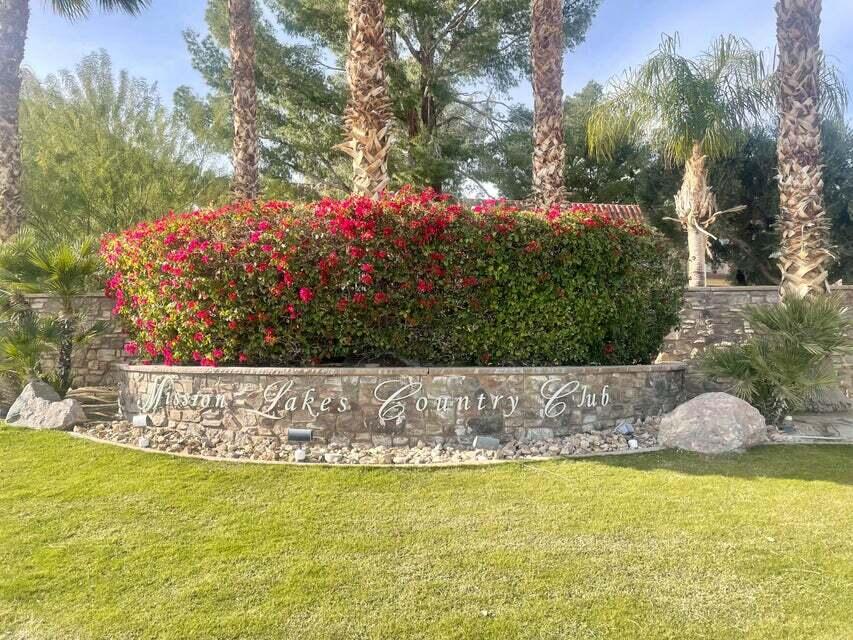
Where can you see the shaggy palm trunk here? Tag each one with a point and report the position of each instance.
(14, 18)
(695, 205)
(367, 118)
(245, 151)
(803, 225)
(67, 328)
(546, 40)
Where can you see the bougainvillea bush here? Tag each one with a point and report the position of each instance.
(413, 277)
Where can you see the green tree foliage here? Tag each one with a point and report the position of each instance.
(624, 177)
(633, 174)
(750, 239)
(441, 52)
(788, 362)
(101, 152)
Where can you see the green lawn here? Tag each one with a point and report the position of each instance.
(101, 542)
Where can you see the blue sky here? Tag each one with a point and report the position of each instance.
(623, 33)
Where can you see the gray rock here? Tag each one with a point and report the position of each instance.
(713, 423)
(34, 391)
(299, 455)
(39, 407)
(60, 415)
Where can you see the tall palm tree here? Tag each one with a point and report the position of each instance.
(546, 40)
(367, 118)
(803, 225)
(691, 111)
(14, 21)
(244, 105)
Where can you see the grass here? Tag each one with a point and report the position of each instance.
(101, 542)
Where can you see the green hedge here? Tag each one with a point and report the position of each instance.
(413, 277)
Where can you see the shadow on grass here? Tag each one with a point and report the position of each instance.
(812, 463)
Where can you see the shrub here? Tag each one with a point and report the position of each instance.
(413, 277)
(66, 270)
(788, 362)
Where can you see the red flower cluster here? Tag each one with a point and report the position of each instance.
(412, 274)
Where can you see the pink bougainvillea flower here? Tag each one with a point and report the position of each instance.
(238, 278)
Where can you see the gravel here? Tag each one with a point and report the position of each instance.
(231, 446)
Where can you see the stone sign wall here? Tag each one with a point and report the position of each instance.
(398, 406)
(711, 316)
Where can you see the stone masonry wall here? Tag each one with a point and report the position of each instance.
(711, 316)
(93, 362)
(396, 406)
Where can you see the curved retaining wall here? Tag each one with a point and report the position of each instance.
(398, 406)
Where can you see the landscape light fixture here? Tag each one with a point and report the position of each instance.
(486, 442)
(140, 420)
(300, 435)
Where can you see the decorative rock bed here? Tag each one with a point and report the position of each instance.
(226, 445)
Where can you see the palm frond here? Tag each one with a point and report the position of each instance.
(788, 362)
(76, 9)
(672, 102)
(65, 270)
(96, 329)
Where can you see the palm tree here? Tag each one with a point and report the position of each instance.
(367, 118)
(26, 339)
(64, 271)
(14, 21)
(691, 111)
(803, 225)
(242, 45)
(546, 40)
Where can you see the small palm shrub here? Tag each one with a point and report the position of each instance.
(411, 277)
(26, 340)
(64, 270)
(787, 363)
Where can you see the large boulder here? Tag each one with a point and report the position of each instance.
(713, 423)
(39, 407)
(32, 394)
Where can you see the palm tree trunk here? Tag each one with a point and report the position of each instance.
(245, 152)
(697, 249)
(367, 117)
(547, 47)
(66, 351)
(14, 20)
(803, 225)
(695, 204)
